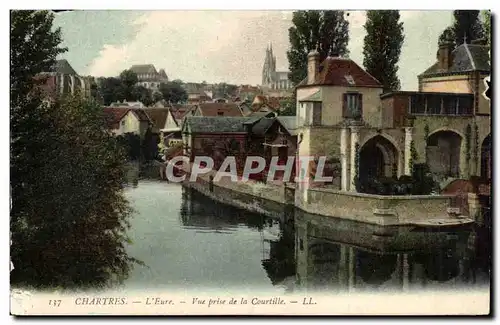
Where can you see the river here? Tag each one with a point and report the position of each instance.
(190, 243)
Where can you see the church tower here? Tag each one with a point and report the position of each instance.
(269, 68)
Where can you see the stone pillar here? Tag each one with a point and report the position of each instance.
(475, 208)
(344, 162)
(354, 140)
(407, 154)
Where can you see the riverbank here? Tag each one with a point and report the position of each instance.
(416, 211)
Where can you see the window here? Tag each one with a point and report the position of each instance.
(417, 104)
(450, 105)
(123, 122)
(433, 104)
(316, 120)
(352, 106)
(465, 105)
(350, 79)
(220, 113)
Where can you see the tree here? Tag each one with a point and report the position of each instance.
(157, 96)
(143, 95)
(111, 90)
(327, 28)
(487, 25)
(382, 46)
(129, 80)
(69, 214)
(173, 92)
(466, 27)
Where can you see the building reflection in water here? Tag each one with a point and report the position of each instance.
(340, 255)
(335, 255)
(277, 236)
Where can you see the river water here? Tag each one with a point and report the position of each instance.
(190, 243)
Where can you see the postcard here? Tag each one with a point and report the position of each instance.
(308, 162)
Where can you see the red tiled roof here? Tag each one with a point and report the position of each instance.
(212, 109)
(158, 117)
(113, 116)
(333, 72)
(140, 114)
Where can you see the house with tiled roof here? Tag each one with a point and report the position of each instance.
(461, 70)
(218, 109)
(123, 120)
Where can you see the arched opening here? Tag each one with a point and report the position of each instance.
(486, 158)
(378, 158)
(443, 154)
(375, 269)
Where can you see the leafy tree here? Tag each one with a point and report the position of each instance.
(487, 25)
(69, 214)
(157, 96)
(447, 36)
(382, 46)
(143, 95)
(131, 143)
(173, 92)
(111, 90)
(288, 107)
(223, 90)
(327, 28)
(129, 80)
(466, 27)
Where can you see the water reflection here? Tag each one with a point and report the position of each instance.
(189, 241)
(336, 255)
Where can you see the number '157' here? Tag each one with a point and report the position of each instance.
(55, 303)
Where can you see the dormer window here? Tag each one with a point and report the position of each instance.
(350, 79)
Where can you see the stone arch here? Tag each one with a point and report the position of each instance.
(375, 269)
(486, 157)
(378, 157)
(443, 152)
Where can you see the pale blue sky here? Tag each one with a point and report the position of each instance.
(219, 46)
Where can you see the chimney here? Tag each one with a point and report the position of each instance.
(312, 66)
(445, 59)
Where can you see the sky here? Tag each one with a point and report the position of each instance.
(220, 46)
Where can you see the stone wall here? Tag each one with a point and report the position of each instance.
(375, 208)
(268, 199)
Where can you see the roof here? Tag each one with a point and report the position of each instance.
(212, 109)
(216, 124)
(143, 68)
(140, 114)
(158, 117)
(465, 58)
(261, 127)
(289, 123)
(113, 115)
(178, 113)
(316, 97)
(63, 67)
(336, 71)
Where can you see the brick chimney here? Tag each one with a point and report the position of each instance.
(312, 66)
(445, 58)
